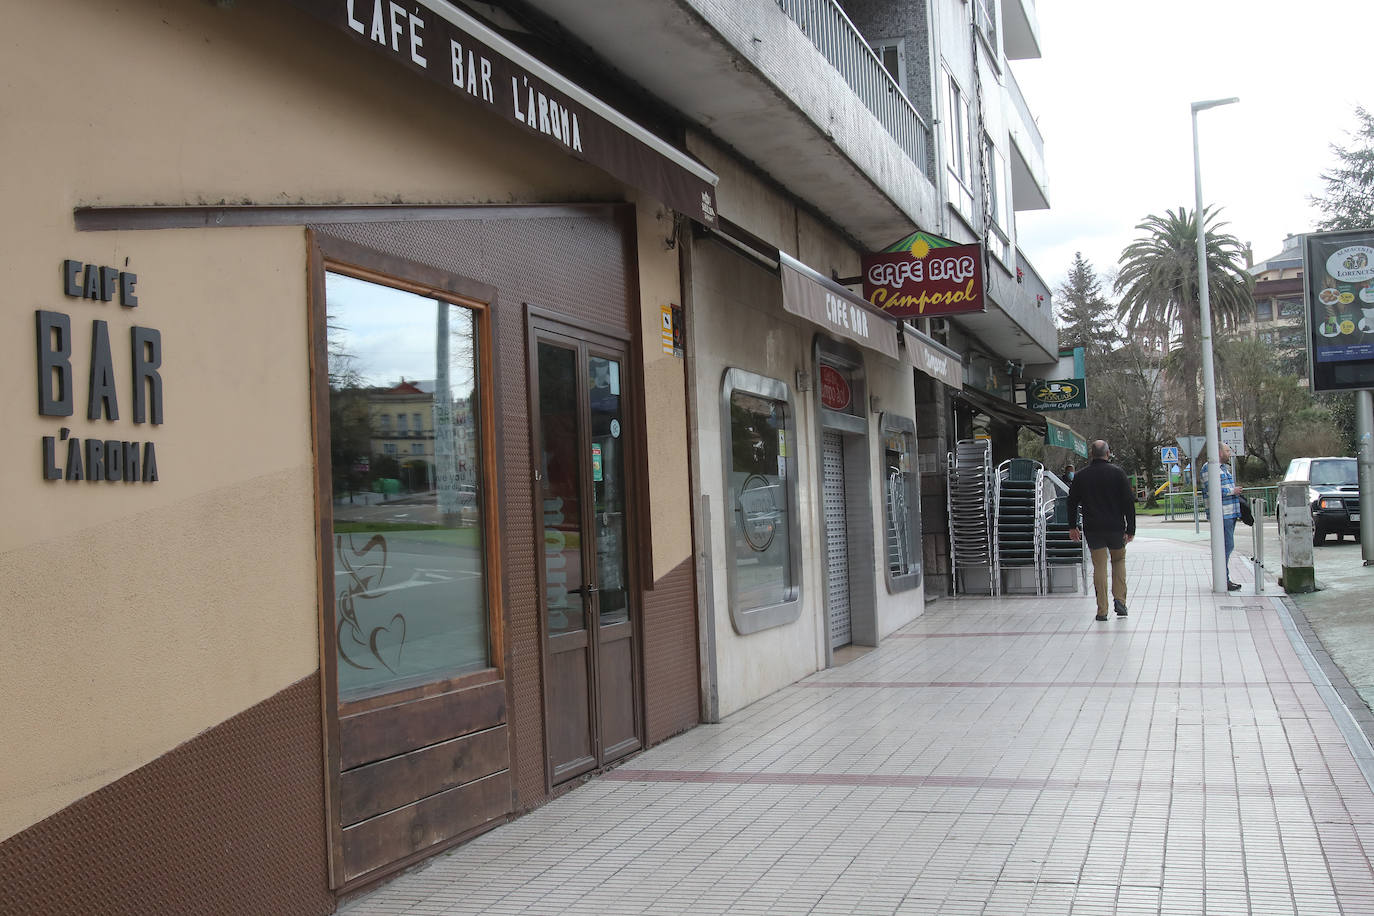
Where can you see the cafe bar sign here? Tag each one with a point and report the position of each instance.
(448, 47)
(924, 276)
(68, 455)
(1058, 394)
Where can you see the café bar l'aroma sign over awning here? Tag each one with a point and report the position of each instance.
(448, 47)
(822, 301)
(923, 276)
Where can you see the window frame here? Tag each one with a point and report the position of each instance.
(756, 619)
(898, 45)
(958, 146)
(329, 255)
(890, 424)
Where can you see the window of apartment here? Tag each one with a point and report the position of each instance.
(1264, 310)
(999, 238)
(759, 451)
(902, 504)
(985, 18)
(418, 424)
(389, 638)
(958, 149)
(1290, 308)
(892, 53)
(384, 424)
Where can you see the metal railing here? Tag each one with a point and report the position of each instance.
(835, 36)
(1019, 102)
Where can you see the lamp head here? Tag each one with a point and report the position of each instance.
(1213, 103)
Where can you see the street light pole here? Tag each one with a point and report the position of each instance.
(1220, 575)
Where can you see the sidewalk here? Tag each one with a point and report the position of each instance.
(997, 756)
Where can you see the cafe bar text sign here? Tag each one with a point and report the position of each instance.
(924, 275)
(77, 454)
(447, 46)
(1338, 268)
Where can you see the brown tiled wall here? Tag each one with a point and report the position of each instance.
(670, 654)
(231, 822)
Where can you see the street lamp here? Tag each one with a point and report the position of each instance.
(1220, 575)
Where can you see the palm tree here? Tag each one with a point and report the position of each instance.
(1158, 284)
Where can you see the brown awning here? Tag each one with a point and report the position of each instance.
(999, 409)
(454, 50)
(933, 358)
(822, 301)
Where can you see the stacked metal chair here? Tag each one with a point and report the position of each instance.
(970, 512)
(1059, 549)
(1018, 521)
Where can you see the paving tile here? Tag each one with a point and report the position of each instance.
(995, 756)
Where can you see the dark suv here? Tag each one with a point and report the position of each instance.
(1333, 490)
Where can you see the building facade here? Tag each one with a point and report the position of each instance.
(499, 398)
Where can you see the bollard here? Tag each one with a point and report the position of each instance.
(1295, 539)
(1258, 506)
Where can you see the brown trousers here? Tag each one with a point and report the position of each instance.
(1118, 559)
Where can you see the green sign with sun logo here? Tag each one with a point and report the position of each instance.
(1058, 394)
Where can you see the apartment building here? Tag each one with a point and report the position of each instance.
(1280, 317)
(600, 262)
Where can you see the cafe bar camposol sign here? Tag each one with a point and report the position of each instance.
(923, 276)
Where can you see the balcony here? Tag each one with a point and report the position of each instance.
(1028, 178)
(789, 85)
(1020, 30)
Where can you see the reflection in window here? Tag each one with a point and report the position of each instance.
(758, 493)
(409, 577)
(901, 510)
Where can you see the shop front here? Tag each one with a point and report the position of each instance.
(357, 514)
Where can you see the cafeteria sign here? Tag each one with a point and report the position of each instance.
(925, 275)
(1059, 394)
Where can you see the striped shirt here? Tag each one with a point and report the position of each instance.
(1230, 499)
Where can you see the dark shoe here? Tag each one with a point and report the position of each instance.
(1100, 617)
(1120, 607)
(1233, 586)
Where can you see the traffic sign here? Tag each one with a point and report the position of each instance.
(1233, 434)
(1168, 455)
(1192, 445)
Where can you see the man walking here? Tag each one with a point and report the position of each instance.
(1104, 494)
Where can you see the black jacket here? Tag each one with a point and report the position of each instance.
(1104, 494)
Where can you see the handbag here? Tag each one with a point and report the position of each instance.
(1246, 515)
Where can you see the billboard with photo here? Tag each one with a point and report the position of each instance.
(1338, 270)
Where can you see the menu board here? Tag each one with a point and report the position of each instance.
(1339, 274)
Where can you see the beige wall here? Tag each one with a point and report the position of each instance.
(143, 614)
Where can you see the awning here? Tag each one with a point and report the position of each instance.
(822, 301)
(933, 358)
(1002, 410)
(446, 46)
(1064, 436)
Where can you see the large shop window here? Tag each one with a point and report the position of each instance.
(410, 584)
(761, 501)
(902, 504)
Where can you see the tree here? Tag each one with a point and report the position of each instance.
(1255, 387)
(1127, 400)
(1158, 283)
(1348, 201)
(1086, 316)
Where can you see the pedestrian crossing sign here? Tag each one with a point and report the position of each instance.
(1168, 454)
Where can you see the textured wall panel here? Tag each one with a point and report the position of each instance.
(230, 822)
(672, 703)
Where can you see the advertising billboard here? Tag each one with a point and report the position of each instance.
(1338, 269)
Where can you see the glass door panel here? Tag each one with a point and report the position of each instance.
(608, 488)
(560, 471)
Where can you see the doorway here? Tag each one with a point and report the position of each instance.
(582, 417)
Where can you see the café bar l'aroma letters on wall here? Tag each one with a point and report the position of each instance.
(84, 453)
(447, 46)
(925, 275)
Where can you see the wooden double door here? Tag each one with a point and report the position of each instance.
(584, 493)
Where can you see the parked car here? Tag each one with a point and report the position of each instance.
(1333, 491)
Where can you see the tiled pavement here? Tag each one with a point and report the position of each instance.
(997, 756)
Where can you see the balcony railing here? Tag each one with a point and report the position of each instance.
(835, 36)
(1019, 100)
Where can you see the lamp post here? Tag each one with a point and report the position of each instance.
(1209, 385)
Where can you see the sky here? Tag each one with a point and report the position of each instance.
(1111, 94)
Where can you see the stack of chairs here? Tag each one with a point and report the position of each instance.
(970, 529)
(1018, 520)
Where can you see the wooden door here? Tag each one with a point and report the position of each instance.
(592, 697)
